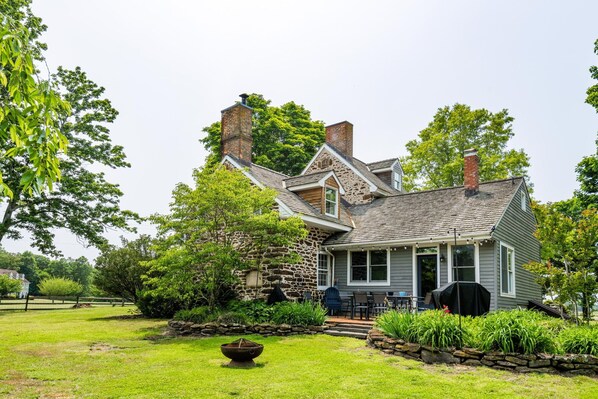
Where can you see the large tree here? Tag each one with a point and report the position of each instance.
(435, 158)
(220, 226)
(285, 138)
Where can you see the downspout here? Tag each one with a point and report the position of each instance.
(332, 266)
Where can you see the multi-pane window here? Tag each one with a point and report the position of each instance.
(523, 202)
(323, 271)
(507, 269)
(369, 266)
(331, 201)
(397, 180)
(464, 262)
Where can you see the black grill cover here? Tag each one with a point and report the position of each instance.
(276, 295)
(475, 299)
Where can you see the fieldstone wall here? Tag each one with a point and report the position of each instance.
(541, 363)
(294, 279)
(357, 191)
(189, 329)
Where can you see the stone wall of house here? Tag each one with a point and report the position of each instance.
(190, 329)
(357, 190)
(294, 279)
(540, 363)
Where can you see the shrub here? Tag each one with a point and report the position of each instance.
(9, 285)
(302, 314)
(155, 304)
(471, 331)
(234, 318)
(437, 329)
(395, 324)
(580, 340)
(515, 331)
(200, 314)
(257, 311)
(57, 286)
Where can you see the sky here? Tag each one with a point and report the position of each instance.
(170, 67)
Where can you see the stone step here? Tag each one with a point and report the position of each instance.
(351, 328)
(350, 334)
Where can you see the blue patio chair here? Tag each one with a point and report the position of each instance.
(332, 300)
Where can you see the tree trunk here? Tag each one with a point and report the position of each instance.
(11, 207)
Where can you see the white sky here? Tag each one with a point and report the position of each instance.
(169, 67)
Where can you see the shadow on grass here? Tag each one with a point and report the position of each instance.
(132, 316)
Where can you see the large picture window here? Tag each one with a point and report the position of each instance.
(507, 270)
(463, 262)
(331, 202)
(369, 267)
(323, 271)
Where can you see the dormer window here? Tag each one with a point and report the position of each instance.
(397, 181)
(331, 206)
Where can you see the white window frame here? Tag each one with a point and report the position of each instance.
(523, 202)
(397, 178)
(318, 269)
(512, 293)
(335, 214)
(368, 281)
(476, 258)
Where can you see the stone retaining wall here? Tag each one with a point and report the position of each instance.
(540, 363)
(185, 328)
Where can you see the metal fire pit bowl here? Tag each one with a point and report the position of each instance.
(242, 352)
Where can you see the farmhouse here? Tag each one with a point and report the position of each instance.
(366, 233)
(18, 276)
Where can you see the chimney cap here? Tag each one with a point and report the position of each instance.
(244, 97)
(470, 152)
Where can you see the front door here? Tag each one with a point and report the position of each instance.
(426, 273)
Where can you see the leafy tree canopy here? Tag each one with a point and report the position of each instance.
(592, 92)
(57, 286)
(435, 159)
(220, 226)
(9, 285)
(285, 138)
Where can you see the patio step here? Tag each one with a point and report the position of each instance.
(337, 333)
(359, 331)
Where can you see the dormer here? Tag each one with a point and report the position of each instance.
(389, 171)
(322, 190)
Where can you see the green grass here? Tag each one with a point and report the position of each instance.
(90, 353)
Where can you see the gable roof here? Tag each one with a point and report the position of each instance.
(318, 179)
(289, 202)
(359, 167)
(386, 164)
(429, 215)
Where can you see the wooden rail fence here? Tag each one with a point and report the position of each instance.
(53, 303)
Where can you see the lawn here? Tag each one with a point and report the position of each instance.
(94, 353)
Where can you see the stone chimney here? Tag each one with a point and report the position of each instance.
(236, 138)
(340, 136)
(471, 174)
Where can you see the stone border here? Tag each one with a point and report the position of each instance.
(190, 329)
(570, 365)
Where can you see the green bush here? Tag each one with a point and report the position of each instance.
(257, 311)
(234, 318)
(437, 329)
(56, 286)
(200, 314)
(471, 331)
(580, 340)
(9, 285)
(302, 314)
(395, 324)
(157, 305)
(516, 331)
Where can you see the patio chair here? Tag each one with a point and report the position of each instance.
(361, 303)
(426, 304)
(332, 300)
(380, 303)
(307, 296)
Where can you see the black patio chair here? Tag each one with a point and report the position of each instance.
(379, 303)
(332, 300)
(361, 303)
(426, 304)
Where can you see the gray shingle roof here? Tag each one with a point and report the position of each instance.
(385, 164)
(305, 179)
(429, 214)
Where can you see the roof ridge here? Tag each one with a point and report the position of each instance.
(310, 174)
(383, 160)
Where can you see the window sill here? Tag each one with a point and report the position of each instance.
(505, 295)
(366, 284)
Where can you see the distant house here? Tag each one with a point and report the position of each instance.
(17, 276)
(366, 233)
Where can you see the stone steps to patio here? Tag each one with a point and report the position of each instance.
(359, 331)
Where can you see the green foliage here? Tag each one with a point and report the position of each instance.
(222, 225)
(580, 340)
(516, 331)
(437, 329)
(119, 271)
(201, 314)
(396, 324)
(234, 318)
(301, 314)
(9, 285)
(157, 304)
(435, 159)
(258, 311)
(592, 93)
(58, 286)
(285, 138)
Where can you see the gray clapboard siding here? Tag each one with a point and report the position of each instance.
(487, 271)
(516, 229)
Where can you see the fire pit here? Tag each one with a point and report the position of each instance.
(242, 352)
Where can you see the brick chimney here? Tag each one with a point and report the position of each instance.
(236, 138)
(340, 136)
(471, 174)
